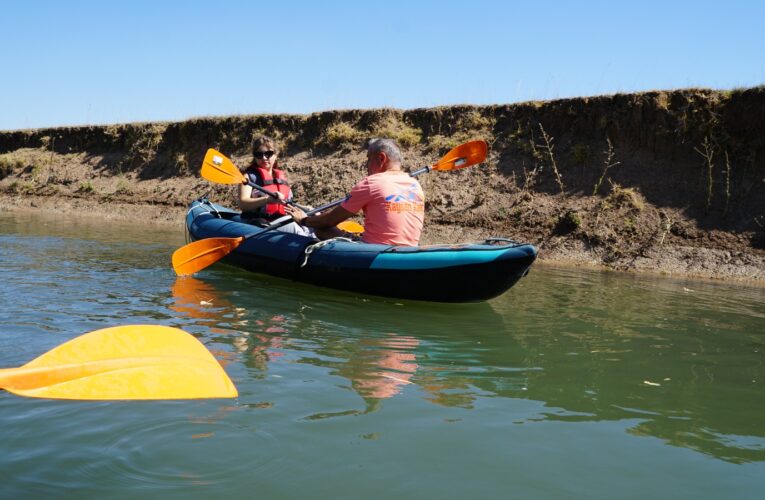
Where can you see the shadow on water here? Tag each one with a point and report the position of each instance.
(589, 346)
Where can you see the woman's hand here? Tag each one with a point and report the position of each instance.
(279, 197)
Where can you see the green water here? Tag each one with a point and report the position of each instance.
(575, 384)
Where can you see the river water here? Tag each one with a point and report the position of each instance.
(574, 384)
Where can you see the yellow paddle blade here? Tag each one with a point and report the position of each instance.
(350, 226)
(197, 255)
(123, 362)
(463, 156)
(217, 168)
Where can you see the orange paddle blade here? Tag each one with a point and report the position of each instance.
(463, 156)
(124, 362)
(217, 168)
(198, 255)
(350, 226)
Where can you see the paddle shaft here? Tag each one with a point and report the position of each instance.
(41, 376)
(272, 195)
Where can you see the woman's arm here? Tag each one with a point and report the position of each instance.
(246, 202)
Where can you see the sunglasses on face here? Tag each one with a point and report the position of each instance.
(263, 154)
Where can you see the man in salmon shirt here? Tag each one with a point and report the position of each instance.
(392, 201)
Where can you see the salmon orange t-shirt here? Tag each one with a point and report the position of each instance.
(393, 205)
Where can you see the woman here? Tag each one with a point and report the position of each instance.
(258, 207)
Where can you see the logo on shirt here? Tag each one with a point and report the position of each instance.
(407, 199)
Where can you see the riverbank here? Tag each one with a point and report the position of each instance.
(675, 261)
(660, 182)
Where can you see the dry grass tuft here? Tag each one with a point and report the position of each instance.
(470, 126)
(8, 164)
(625, 197)
(341, 135)
(392, 127)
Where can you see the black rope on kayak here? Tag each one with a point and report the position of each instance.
(501, 241)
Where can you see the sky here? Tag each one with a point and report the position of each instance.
(79, 62)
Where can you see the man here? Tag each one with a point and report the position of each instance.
(392, 201)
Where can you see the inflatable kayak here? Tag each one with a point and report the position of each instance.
(441, 273)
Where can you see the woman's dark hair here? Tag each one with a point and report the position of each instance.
(264, 140)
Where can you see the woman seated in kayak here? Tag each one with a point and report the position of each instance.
(393, 202)
(257, 207)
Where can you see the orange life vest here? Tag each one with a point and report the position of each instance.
(274, 183)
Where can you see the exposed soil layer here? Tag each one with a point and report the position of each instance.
(669, 182)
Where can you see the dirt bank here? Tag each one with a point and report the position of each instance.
(667, 182)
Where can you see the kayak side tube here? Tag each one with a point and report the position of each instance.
(457, 273)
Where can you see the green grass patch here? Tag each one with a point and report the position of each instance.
(86, 187)
(123, 187)
(8, 165)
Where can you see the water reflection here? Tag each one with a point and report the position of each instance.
(381, 366)
(684, 358)
(376, 367)
(372, 355)
(654, 352)
(198, 300)
(206, 306)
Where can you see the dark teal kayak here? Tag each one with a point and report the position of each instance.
(440, 273)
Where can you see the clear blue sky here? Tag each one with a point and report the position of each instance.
(76, 62)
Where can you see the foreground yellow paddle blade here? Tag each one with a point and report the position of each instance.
(123, 362)
(463, 156)
(216, 167)
(195, 256)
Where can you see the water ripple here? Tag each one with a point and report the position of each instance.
(191, 451)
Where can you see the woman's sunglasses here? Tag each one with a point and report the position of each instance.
(263, 154)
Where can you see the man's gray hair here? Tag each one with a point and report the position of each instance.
(387, 146)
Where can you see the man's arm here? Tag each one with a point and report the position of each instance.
(320, 221)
